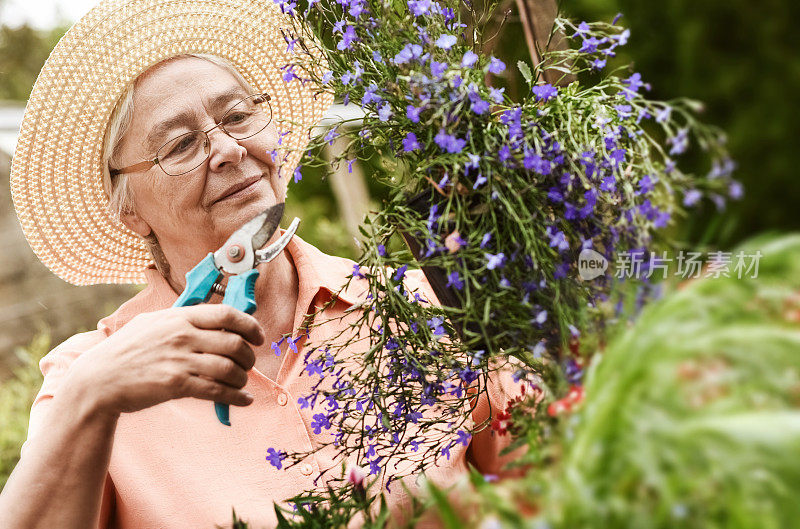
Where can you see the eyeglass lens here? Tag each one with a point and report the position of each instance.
(188, 151)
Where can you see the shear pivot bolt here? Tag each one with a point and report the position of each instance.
(236, 253)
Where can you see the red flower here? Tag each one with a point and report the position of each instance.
(501, 423)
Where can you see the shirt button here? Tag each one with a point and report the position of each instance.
(306, 469)
(282, 399)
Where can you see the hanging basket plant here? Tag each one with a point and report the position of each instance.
(496, 199)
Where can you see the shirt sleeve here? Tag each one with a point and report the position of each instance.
(485, 448)
(54, 366)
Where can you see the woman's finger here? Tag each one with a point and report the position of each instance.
(223, 343)
(224, 317)
(203, 388)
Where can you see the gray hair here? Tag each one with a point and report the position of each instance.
(120, 198)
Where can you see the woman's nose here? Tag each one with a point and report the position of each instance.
(224, 150)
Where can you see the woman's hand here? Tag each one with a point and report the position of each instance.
(202, 351)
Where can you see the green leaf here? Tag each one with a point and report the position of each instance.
(525, 71)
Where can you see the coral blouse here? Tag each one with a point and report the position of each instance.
(174, 466)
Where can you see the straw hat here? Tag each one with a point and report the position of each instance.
(56, 174)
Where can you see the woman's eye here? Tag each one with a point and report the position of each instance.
(183, 144)
(236, 117)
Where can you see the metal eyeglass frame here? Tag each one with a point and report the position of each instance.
(258, 99)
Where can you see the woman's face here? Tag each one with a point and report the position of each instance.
(194, 213)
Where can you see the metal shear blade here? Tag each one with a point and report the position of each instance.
(270, 252)
(237, 255)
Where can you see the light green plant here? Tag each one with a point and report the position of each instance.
(16, 396)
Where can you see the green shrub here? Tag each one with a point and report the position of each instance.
(16, 396)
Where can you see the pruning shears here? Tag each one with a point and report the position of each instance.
(237, 258)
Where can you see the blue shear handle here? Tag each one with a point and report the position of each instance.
(239, 294)
(199, 281)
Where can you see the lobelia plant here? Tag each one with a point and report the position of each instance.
(496, 199)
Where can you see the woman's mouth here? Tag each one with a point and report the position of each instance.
(240, 189)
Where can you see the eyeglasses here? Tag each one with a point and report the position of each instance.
(191, 149)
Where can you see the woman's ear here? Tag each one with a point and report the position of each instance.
(135, 223)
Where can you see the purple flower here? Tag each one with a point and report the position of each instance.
(382, 250)
(448, 142)
(385, 112)
(374, 466)
(645, 185)
(496, 66)
(608, 184)
(438, 69)
(357, 271)
(623, 111)
(304, 403)
(599, 64)
(463, 437)
(297, 175)
(446, 450)
(454, 280)
(633, 84)
(445, 42)
(410, 142)
(557, 239)
(479, 181)
(356, 8)
(583, 28)
(276, 348)
(533, 161)
(691, 197)
(469, 59)
(555, 196)
(589, 45)
(348, 37)
(504, 154)
(376, 56)
(485, 240)
(496, 94)
(419, 7)
(275, 457)
(370, 96)
(479, 106)
(320, 422)
(663, 114)
(617, 156)
(544, 92)
(400, 273)
(735, 190)
(495, 260)
(409, 52)
(679, 142)
(331, 135)
(413, 112)
(435, 324)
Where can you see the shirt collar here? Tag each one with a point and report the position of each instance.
(316, 272)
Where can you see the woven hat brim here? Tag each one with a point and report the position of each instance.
(56, 175)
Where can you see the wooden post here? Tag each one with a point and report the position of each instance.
(349, 188)
(537, 18)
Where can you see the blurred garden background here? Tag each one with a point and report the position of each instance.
(739, 58)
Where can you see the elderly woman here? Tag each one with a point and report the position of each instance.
(122, 433)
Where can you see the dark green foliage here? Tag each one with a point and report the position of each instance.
(740, 58)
